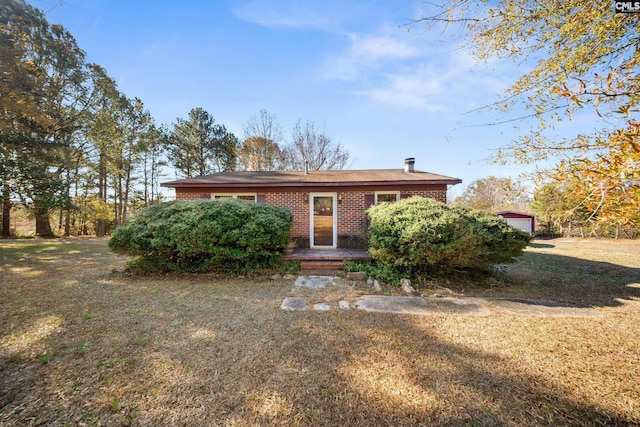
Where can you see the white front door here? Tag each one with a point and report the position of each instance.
(323, 220)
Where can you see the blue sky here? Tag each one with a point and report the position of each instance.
(383, 89)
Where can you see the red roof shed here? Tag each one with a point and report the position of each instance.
(519, 220)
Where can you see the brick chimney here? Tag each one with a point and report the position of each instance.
(408, 164)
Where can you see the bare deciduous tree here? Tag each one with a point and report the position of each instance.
(261, 149)
(311, 145)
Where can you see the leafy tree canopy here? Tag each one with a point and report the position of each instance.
(262, 149)
(200, 146)
(67, 134)
(599, 191)
(579, 57)
(585, 55)
(494, 194)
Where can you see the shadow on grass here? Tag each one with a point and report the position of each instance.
(62, 256)
(330, 369)
(539, 245)
(151, 351)
(194, 355)
(572, 280)
(426, 380)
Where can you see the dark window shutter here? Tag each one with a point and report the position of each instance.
(405, 195)
(369, 200)
(261, 198)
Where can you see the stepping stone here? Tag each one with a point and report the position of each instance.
(420, 306)
(323, 306)
(344, 305)
(314, 282)
(293, 304)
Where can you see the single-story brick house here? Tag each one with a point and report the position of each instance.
(327, 206)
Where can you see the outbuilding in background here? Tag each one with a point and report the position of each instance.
(519, 220)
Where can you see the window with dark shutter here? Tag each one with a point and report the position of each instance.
(369, 200)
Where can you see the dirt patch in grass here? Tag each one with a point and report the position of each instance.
(82, 345)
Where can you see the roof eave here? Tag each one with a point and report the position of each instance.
(514, 212)
(177, 184)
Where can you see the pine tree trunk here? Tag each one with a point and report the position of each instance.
(6, 210)
(125, 202)
(101, 227)
(67, 223)
(67, 212)
(43, 225)
(101, 224)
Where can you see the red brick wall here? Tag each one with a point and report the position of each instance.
(299, 208)
(191, 196)
(352, 222)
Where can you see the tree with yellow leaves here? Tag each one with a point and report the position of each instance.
(579, 56)
(600, 192)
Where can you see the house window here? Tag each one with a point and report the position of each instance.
(387, 196)
(242, 196)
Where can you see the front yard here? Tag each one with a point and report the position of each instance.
(83, 344)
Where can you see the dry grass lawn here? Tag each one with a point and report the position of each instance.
(83, 344)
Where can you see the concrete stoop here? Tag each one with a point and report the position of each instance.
(325, 262)
(331, 273)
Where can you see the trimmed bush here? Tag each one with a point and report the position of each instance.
(422, 236)
(205, 235)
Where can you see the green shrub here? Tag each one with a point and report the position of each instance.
(418, 236)
(381, 272)
(205, 235)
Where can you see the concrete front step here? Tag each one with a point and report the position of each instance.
(321, 265)
(306, 254)
(321, 272)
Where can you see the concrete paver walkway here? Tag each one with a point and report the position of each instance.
(421, 306)
(418, 305)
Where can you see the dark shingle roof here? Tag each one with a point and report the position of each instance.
(313, 178)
